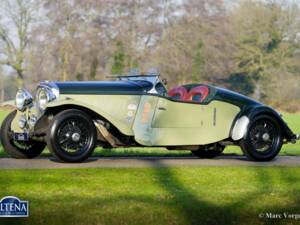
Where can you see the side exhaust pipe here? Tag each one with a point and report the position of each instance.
(295, 139)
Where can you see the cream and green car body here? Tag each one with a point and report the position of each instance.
(131, 112)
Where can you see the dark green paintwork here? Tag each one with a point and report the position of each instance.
(141, 88)
(234, 98)
(104, 87)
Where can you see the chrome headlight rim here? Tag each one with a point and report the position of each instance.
(50, 91)
(23, 99)
(42, 95)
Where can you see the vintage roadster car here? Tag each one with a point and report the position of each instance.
(72, 118)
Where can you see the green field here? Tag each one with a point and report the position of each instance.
(290, 149)
(204, 195)
(2, 115)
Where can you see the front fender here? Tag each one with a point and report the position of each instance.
(113, 109)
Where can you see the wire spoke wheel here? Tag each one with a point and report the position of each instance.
(18, 149)
(263, 136)
(263, 140)
(73, 135)
(26, 146)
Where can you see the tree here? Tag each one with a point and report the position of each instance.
(94, 67)
(14, 34)
(1, 86)
(118, 64)
(194, 47)
(266, 47)
(198, 62)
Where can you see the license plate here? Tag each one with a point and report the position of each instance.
(21, 136)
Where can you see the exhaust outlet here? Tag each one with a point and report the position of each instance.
(295, 138)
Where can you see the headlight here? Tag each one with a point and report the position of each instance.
(42, 98)
(23, 99)
(46, 95)
(22, 122)
(32, 120)
(46, 92)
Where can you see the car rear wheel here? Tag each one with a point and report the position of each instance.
(263, 139)
(18, 149)
(209, 151)
(72, 136)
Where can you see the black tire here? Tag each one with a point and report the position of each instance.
(60, 137)
(209, 151)
(18, 149)
(263, 139)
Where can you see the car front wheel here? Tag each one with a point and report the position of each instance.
(18, 149)
(263, 139)
(72, 136)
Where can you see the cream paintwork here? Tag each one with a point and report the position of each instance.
(14, 124)
(144, 118)
(113, 108)
(176, 123)
(142, 124)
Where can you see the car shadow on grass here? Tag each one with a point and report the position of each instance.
(187, 206)
(198, 211)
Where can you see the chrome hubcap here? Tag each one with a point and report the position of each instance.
(266, 137)
(75, 137)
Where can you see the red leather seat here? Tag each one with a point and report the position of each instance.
(197, 94)
(179, 93)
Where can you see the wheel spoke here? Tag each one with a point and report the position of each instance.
(262, 136)
(79, 141)
(63, 141)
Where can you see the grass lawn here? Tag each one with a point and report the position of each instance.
(3, 114)
(292, 119)
(204, 195)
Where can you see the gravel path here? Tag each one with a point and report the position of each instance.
(139, 162)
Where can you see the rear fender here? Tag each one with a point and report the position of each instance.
(242, 121)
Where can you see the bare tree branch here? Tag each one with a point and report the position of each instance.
(19, 13)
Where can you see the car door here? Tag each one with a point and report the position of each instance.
(175, 123)
(177, 114)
